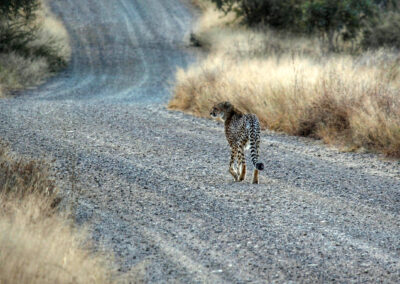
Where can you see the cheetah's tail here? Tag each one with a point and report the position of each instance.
(255, 142)
(260, 166)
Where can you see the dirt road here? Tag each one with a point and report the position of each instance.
(154, 185)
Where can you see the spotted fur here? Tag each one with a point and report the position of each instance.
(240, 129)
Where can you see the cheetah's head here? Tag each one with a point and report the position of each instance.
(221, 110)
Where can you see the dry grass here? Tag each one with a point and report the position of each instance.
(292, 87)
(44, 56)
(38, 242)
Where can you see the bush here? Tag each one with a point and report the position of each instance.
(384, 34)
(332, 20)
(283, 14)
(33, 44)
(337, 19)
(19, 27)
(17, 23)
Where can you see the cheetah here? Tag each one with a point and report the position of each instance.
(240, 129)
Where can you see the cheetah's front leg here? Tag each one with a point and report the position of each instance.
(232, 162)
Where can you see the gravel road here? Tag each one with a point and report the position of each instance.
(154, 184)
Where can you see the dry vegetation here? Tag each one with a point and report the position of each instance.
(46, 55)
(38, 241)
(294, 86)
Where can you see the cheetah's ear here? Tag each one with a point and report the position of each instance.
(227, 105)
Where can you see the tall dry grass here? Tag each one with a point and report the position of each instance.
(41, 58)
(38, 241)
(294, 87)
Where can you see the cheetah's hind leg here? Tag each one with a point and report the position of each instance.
(255, 176)
(232, 162)
(243, 172)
